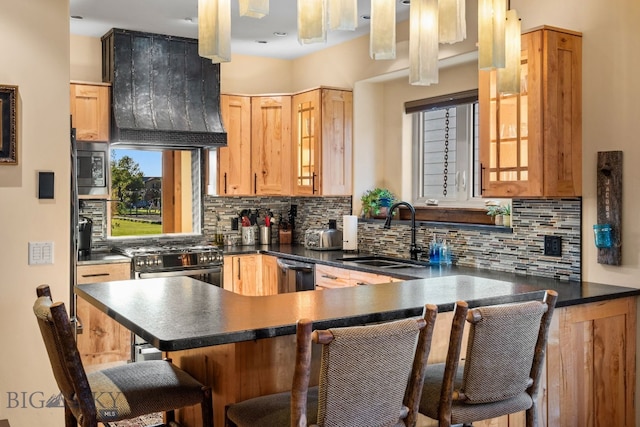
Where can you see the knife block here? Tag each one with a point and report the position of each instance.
(285, 237)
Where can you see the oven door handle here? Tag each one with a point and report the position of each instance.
(178, 273)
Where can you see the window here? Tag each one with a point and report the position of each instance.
(154, 192)
(446, 149)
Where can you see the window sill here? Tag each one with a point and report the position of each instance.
(449, 217)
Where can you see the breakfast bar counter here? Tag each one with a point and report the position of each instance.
(245, 346)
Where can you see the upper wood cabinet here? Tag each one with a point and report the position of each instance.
(90, 111)
(531, 142)
(322, 140)
(257, 158)
(271, 144)
(234, 165)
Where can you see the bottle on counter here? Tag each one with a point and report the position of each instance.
(434, 251)
(445, 253)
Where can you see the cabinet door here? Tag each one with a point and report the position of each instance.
(242, 274)
(90, 112)
(103, 340)
(269, 282)
(271, 145)
(307, 135)
(337, 137)
(234, 160)
(511, 129)
(531, 142)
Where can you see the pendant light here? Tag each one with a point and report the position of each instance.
(491, 37)
(509, 77)
(312, 21)
(452, 21)
(423, 42)
(254, 8)
(382, 39)
(214, 30)
(343, 15)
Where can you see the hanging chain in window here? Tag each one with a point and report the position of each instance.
(446, 153)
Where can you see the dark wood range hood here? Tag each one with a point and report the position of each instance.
(163, 93)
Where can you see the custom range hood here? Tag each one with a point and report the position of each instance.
(163, 93)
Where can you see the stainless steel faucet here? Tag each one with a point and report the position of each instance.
(414, 249)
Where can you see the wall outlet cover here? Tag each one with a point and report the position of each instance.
(553, 245)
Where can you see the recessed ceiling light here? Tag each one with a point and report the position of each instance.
(77, 17)
(280, 34)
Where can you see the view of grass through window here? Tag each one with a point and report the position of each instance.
(136, 182)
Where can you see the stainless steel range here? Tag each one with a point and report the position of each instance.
(201, 262)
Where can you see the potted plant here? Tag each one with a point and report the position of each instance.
(501, 214)
(376, 202)
(495, 212)
(506, 215)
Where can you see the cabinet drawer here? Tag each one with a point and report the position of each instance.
(103, 272)
(331, 277)
(361, 278)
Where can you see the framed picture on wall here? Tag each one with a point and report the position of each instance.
(8, 125)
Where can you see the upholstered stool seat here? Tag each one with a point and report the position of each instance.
(272, 410)
(135, 389)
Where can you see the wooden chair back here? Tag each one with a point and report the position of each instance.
(372, 372)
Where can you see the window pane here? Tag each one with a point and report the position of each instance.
(154, 192)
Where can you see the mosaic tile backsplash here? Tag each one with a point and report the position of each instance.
(518, 251)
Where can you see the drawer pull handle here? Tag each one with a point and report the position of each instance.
(96, 275)
(326, 276)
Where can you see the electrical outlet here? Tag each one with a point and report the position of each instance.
(553, 245)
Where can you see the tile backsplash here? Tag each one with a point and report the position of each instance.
(519, 251)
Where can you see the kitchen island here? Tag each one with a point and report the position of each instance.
(244, 346)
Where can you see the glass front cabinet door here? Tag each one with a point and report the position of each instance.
(531, 141)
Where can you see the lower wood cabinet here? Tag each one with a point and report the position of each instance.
(103, 340)
(251, 275)
(328, 277)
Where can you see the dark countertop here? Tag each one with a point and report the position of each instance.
(570, 293)
(181, 313)
(103, 258)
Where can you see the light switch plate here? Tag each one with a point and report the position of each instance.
(40, 253)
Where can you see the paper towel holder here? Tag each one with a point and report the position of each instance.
(350, 234)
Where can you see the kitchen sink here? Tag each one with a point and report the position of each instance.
(383, 262)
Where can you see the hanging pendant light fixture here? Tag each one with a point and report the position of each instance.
(452, 21)
(343, 15)
(509, 77)
(312, 21)
(214, 30)
(423, 42)
(491, 37)
(254, 8)
(382, 40)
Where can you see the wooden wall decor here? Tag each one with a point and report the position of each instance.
(8, 125)
(609, 204)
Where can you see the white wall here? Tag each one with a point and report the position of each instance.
(34, 41)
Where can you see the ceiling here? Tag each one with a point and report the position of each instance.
(179, 18)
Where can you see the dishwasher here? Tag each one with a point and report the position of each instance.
(294, 276)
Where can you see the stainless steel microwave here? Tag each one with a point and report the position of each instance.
(92, 169)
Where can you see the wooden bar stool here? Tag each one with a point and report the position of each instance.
(369, 375)
(502, 368)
